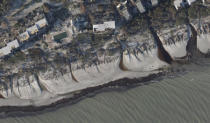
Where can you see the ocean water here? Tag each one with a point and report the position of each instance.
(183, 98)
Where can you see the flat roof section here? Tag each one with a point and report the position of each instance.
(60, 36)
(32, 30)
(41, 23)
(140, 6)
(24, 36)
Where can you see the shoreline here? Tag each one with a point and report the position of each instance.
(76, 96)
(12, 111)
(48, 91)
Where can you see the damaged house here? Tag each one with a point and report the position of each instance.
(183, 3)
(144, 5)
(102, 15)
(139, 5)
(80, 23)
(123, 10)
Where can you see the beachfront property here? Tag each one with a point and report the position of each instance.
(144, 5)
(183, 3)
(41, 23)
(80, 23)
(13, 44)
(75, 8)
(178, 4)
(8, 48)
(24, 36)
(98, 2)
(32, 30)
(123, 10)
(38, 26)
(59, 37)
(104, 26)
(154, 2)
(190, 1)
(140, 6)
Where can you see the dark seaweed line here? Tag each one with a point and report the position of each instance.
(125, 83)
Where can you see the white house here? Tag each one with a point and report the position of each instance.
(4, 51)
(24, 36)
(104, 26)
(8, 49)
(41, 23)
(140, 6)
(154, 2)
(13, 44)
(181, 3)
(190, 1)
(178, 3)
(123, 10)
(32, 30)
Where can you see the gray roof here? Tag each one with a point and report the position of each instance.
(123, 10)
(24, 36)
(104, 26)
(154, 2)
(42, 23)
(7, 49)
(140, 6)
(32, 30)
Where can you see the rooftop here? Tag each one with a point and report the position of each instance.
(154, 2)
(32, 30)
(60, 36)
(122, 8)
(41, 23)
(104, 26)
(24, 36)
(177, 3)
(13, 44)
(181, 3)
(140, 6)
(7, 49)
